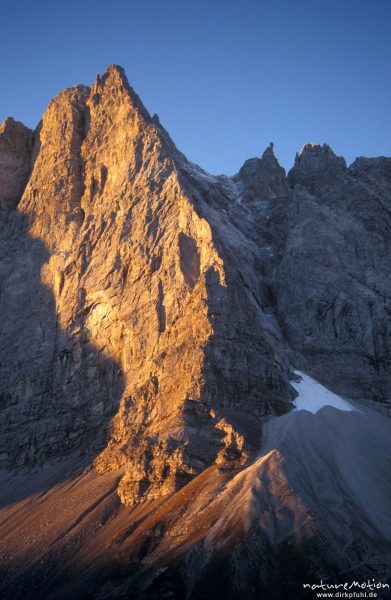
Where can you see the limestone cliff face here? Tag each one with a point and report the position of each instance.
(140, 330)
(333, 282)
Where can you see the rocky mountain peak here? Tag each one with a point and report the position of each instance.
(263, 178)
(129, 257)
(269, 152)
(114, 83)
(9, 125)
(318, 157)
(314, 165)
(16, 142)
(373, 169)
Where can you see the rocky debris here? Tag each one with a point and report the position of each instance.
(310, 506)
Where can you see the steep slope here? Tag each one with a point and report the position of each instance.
(333, 283)
(153, 316)
(139, 290)
(328, 227)
(310, 507)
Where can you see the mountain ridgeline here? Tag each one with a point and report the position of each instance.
(153, 316)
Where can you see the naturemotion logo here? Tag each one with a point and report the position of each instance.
(353, 589)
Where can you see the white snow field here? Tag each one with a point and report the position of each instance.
(313, 396)
(327, 459)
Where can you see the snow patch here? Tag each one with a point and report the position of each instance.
(313, 396)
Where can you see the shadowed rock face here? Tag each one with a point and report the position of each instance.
(152, 316)
(329, 271)
(15, 162)
(333, 282)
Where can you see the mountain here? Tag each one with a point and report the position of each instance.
(153, 321)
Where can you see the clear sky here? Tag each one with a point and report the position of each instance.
(226, 77)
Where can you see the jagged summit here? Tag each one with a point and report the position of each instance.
(312, 147)
(114, 82)
(318, 155)
(9, 123)
(269, 150)
(115, 71)
(263, 178)
(316, 164)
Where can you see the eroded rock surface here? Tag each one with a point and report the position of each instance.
(152, 316)
(333, 282)
(148, 300)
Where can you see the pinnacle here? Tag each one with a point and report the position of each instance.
(312, 160)
(309, 147)
(317, 155)
(113, 73)
(117, 69)
(10, 123)
(269, 151)
(268, 156)
(316, 149)
(114, 78)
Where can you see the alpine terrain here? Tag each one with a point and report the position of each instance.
(195, 370)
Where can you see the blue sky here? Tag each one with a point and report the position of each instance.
(226, 77)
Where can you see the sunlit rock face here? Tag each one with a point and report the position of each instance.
(153, 316)
(137, 331)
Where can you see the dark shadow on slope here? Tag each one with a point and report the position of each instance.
(245, 371)
(242, 380)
